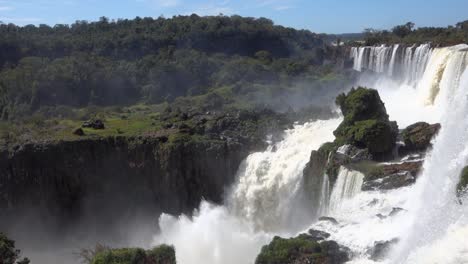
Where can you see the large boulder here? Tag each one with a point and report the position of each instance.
(366, 123)
(381, 249)
(94, 123)
(391, 176)
(417, 137)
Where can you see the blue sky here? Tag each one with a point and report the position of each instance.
(327, 16)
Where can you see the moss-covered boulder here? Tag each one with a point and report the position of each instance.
(301, 250)
(159, 255)
(361, 104)
(365, 123)
(418, 136)
(463, 183)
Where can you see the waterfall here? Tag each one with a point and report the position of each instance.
(382, 59)
(427, 84)
(391, 67)
(268, 181)
(324, 203)
(417, 83)
(348, 184)
(263, 202)
(437, 220)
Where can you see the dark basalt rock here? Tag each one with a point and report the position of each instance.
(95, 124)
(381, 249)
(463, 183)
(318, 235)
(328, 219)
(417, 137)
(392, 176)
(78, 132)
(390, 182)
(114, 177)
(395, 211)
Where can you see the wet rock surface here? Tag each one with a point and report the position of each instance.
(392, 176)
(381, 249)
(417, 137)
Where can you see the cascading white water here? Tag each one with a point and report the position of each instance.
(420, 84)
(433, 226)
(411, 61)
(255, 209)
(391, 67)
(324, 203)
(435, 211)
(348, 184)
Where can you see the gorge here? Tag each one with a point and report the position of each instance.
(227, 175)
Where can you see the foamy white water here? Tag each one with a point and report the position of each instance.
(257, 208)
(433, 226)
(348, 184)
(416, 84)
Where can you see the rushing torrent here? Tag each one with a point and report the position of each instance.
(267, 190)
(417, 83)
(432, 85)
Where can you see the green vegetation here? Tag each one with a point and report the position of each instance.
(408, 34)
(365, 123)
(8, 253)
(301, 249)
(281, 250)
(127, 72)
(159, 255)
(150, 60)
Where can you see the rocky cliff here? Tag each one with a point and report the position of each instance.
(109, 178)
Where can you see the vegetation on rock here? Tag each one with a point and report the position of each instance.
(418, 136)
(159, 255)
(301, 250)
(365, 123)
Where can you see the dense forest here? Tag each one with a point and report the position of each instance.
(149, 60)
(408, 34)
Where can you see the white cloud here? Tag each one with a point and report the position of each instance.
(21, 20)
(168, 3)
(278, 5)
(213, 8)
(162, 3)
(6, 8)
(281, 8)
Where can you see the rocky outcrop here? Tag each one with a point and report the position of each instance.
(417, 137)
(463, 183)
(381, 249)
(391, 176)
(168, 171)
(365, 134)
(366, 123)
(123, 172)
(304, 249)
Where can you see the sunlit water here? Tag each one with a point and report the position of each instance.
(416, 84)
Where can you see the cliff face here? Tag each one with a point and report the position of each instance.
(64, 177)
